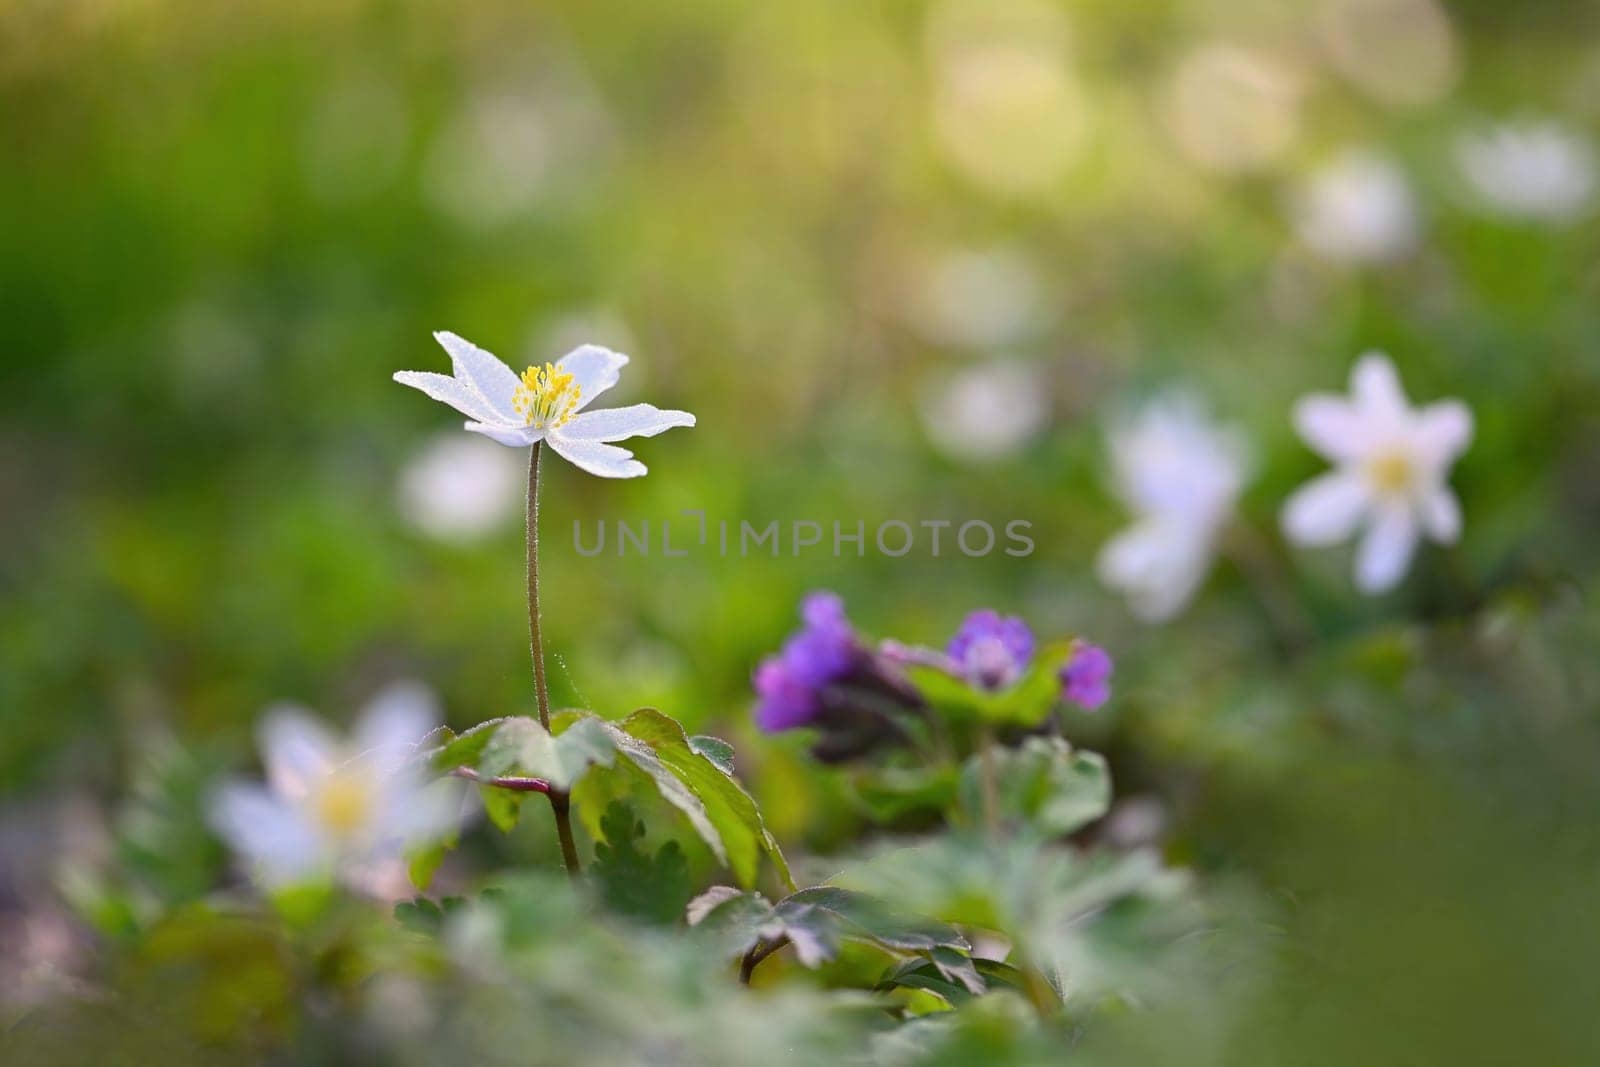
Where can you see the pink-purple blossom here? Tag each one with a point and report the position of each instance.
(1086, 679)
(990, 650)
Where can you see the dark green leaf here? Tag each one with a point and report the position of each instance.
(503, 806)
(1045, 783)
(420, 915)
(423, 862)
(653, 888)
(736, 832)
(714, 749)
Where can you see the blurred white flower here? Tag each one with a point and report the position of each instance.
(977, 299)
(1400, 52)
(1359, 209)
(532, 129)
(1539, 170)
(460, 488)
(333, 808)
(984, 413)
(1008, 110)
(1180, 474)
(1232, 110)
(546, 403)
(1391, 461)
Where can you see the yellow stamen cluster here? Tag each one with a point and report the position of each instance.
(546, 396)
(1391, 472)
(343, 803)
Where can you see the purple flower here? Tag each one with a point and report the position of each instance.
(789, 684)
(785, 703)
(991, 651)
(1086, 679)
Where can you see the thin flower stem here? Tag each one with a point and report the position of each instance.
(560, 803)
(991, 798)
(535, 638)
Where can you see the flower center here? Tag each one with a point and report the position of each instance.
(343, 804)
(546, 396)
(1391, 472)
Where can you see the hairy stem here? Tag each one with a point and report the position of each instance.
(986, 769)
(560, 804)
(535, 638)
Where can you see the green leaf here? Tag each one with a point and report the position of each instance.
(722, 812)
(457, 750)
(1037, 693)
(423, 862)
(889, 794)
(714, 749)
(862, 917)
(945, 972)
(818, 921)
(521, 746)
(729, 918)
(653, 888)
(503, 806)
(518, 745)
(1045, 783)
(1027, 702)
(419, 916)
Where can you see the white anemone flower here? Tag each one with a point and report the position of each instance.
(547, 404)
(1180, 474)
(1392, 462)
(1539, 170)
(1358, 209)
(335, 808)
(460, 489)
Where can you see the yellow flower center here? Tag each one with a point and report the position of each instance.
(1391, 472)
(546, 397)
(343, 804)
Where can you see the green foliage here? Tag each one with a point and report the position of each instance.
(1026, 703)
(653, 888)
(894, 793)
(714, 749)
(817, 921)
(1044, 784)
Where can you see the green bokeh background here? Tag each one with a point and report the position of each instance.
(223, 227)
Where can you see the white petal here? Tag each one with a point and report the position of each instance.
(267, 830)
(480, 371)
(1330, 426)
(607, 461)
(1386, 550)
(1375, 387)
(396, 719)
(1443, 431)
(511, 436)
(417, 812)
(593, 369)
(614, 424)
(448, 390)
(1441, 516)
(1158, 566)
(1325, 510)
(297, 750)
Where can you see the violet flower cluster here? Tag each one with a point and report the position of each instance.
(991, 651)
(827, 678)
